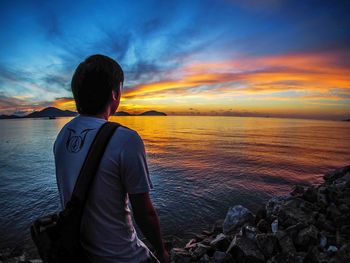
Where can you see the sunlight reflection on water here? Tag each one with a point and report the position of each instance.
(199, 165)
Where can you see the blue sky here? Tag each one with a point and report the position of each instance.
(159, 42)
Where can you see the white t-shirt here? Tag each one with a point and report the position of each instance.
(107, 230)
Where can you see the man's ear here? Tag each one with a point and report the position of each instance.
(115, 95)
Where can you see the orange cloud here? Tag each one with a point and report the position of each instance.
(291, 83)
(301, 72)
(64, 103)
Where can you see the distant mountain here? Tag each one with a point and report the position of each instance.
(9, 117)
(122, 113)
(152, 113)
(51, 112)
(146, 113)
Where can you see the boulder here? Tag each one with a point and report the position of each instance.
(243, 249)
(274, 204)
(264, 226)
(198, 252)
(306, 237)
(205, 259)
(249, 232)
(260, 214)
(219, 256)
(310, 194)
(343, 254)
(219, 238)
(315, 255)
(322, 198)
(288, 258)
(220, 242)
(180, 255)
(332, 211)
(298, 190)
(236, 217)
(285, 242)
(336, 174)
(268, 244)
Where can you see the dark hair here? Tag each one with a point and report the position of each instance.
(93, 82)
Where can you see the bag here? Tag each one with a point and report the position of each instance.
(57, 236)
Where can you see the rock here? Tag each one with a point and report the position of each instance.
(336, 174)
(207, 233)
(293, 230)
(274, 204)
(12, 255)
(285, 242)
(343, 235)
(310, 194)
(308, 207)
(217, 227)
(199, 252)
(322, 196)
(311, 225)
(220, 242)
(332, 211)
(205, 259)
(298, 190)
(274, 226)
(200, 237)
(343, 254)
(219, 256)
(191, 244)
(268, 244)
(323, 240)
(332, 249)
(260, 214)
(219, 238)
(323, 223)
(236, 217)
(315, 255)
(207, 241)
(245, 250)
(180, 255)
(345, 230)
(288, 258)
(307, 236)
(290, 213)
(263, 226)
(249, 232)
(344, 208)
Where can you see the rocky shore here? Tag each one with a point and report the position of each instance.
(311, 224)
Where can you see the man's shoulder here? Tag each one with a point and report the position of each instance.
(128, 135)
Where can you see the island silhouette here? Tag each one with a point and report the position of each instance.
(52, 112)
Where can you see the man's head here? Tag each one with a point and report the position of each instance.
(96, 85)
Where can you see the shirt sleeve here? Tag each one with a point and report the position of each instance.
(134, 170)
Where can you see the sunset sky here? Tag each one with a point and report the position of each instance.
(274, 58)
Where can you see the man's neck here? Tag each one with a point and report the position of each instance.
(103, 115)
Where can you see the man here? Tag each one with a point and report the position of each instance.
(107, 230)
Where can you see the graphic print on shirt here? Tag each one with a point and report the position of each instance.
(76, 141)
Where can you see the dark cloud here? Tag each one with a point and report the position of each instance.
(14, 75)
(60, 81)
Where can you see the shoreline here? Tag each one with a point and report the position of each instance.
(311, 224)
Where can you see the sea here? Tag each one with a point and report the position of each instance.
(200, 166)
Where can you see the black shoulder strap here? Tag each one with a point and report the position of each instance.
(92, 161)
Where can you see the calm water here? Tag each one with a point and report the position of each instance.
(199, 165)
